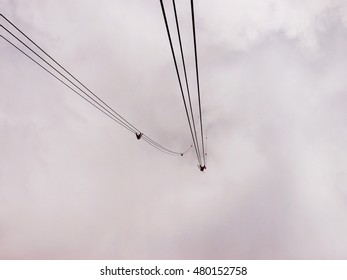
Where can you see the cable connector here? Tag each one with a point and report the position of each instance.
(202, 167)
(138, 135)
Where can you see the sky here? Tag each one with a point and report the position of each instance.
(75, 185)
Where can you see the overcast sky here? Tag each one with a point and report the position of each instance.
(73, 184)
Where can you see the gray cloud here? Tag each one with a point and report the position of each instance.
(73, 185)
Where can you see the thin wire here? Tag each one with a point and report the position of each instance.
(59, 79)
(188, 150)
(129, 124)
(119, 116)
(206, 152)
(164, 151)
(185, 75)
(163, 148)
(197, 80)
(160, 146)
(148, 140)
(178, 76)
(122, 122)
(119, 121)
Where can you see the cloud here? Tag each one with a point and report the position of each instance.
(74, 185)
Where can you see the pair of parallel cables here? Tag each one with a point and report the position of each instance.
(200, 153)
(56, 70)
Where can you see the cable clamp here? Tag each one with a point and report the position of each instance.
(138, 135)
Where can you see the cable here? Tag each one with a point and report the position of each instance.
(188, 149)
(57, 78)
(134, 129)
(164, 151)
(160, 146)
(206, 152)
(148, 140)
(197, 81)
(178, 76)
(185, 75)
(115, 115)
(129, 124)
(129, 128)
